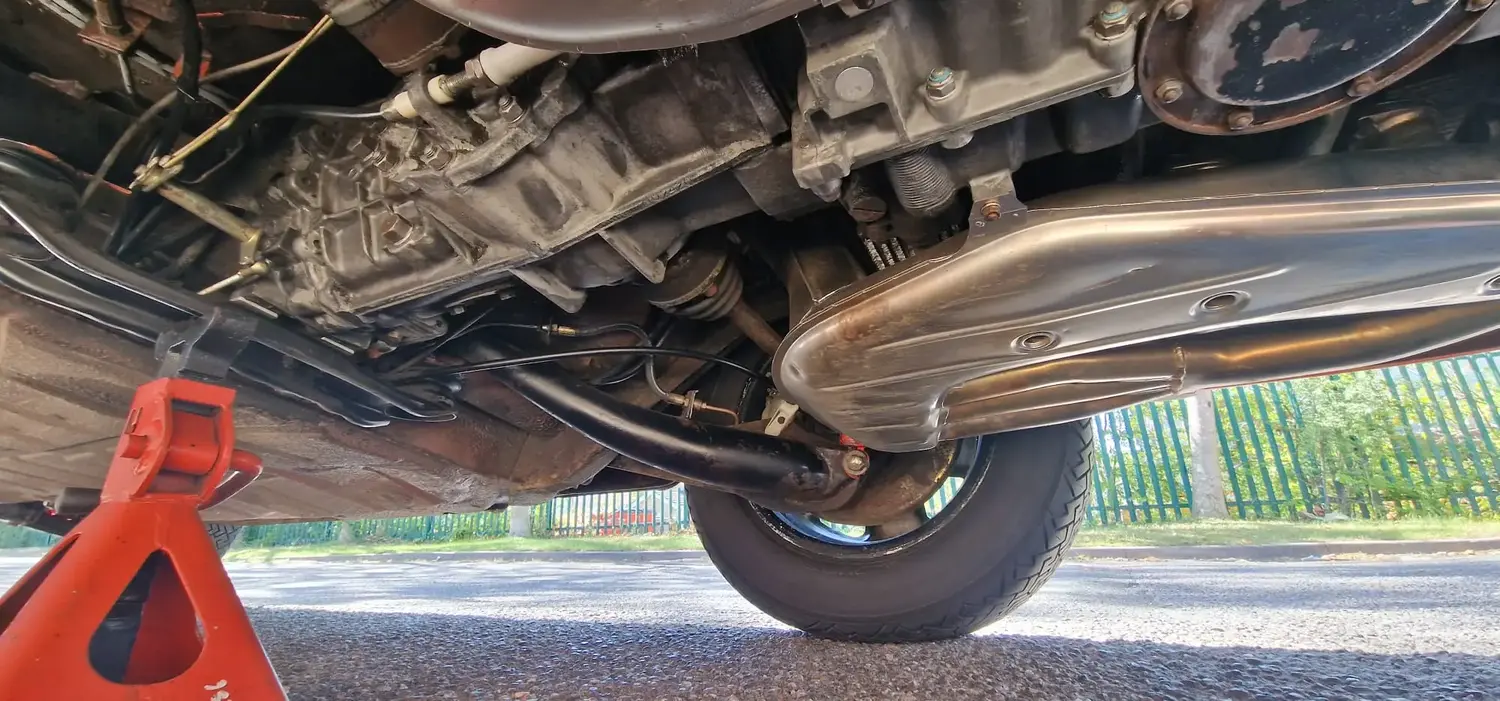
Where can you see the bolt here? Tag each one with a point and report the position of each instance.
(1240, 120)
(382, 158)
(854, 83)
(1362, 86)
(941, 82)
(1112, 21)
(1479, 5)
(863, 204)
(1177, 9)
(365, 146)
(509, 110)
(435, 156)
(856, 463)
(958, 141)
(828, 190)
(990, 209)
(1169, 91)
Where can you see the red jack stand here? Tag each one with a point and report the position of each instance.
(175, 456)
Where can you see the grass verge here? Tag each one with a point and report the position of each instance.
(507, 545)
(1272, 532)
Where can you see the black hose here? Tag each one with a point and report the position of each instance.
(750, 464)
(630, 369)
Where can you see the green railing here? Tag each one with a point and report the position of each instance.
(412, 529)
(1415, 440)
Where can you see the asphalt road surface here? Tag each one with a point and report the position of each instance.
(1411, 628)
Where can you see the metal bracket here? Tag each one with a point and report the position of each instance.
(994, 199)
(206, 347)
(779, 415)
(115, 42)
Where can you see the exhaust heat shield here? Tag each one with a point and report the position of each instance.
(1120, 294)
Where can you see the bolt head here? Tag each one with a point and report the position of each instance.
(958, 141)
(856, 463)
(941, 82)
(1169, 91)
(1362, 86)
(1240, 120)
(1112, 21)
(854, 84)
(866, 208)
(1178, 9)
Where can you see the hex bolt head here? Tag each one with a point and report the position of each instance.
(1478, 5)
(941, 82)
(1112, 21)
(1240, 120)
(1362, 86)
(1178, 9)
(1169, 91)
(856, 463)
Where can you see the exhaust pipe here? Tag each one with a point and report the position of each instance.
(1121, 294)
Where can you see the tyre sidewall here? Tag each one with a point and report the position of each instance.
(1011, 519)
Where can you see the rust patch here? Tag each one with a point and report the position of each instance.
(1291, 45)
(855, 327)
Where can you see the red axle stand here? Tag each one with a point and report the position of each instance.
(175, 456)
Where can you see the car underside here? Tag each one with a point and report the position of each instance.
(810, 258)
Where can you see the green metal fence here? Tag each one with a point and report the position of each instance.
(412, 529)
(661, 512)
(1415, 440)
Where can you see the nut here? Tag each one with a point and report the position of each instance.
(1240, 120)
(1363, 85)
(990, 209)
(1177, 9)
(509, 110)
(435, 156)
(941, 82)
(856, 463)
(1169, 91)
(1113, 20)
